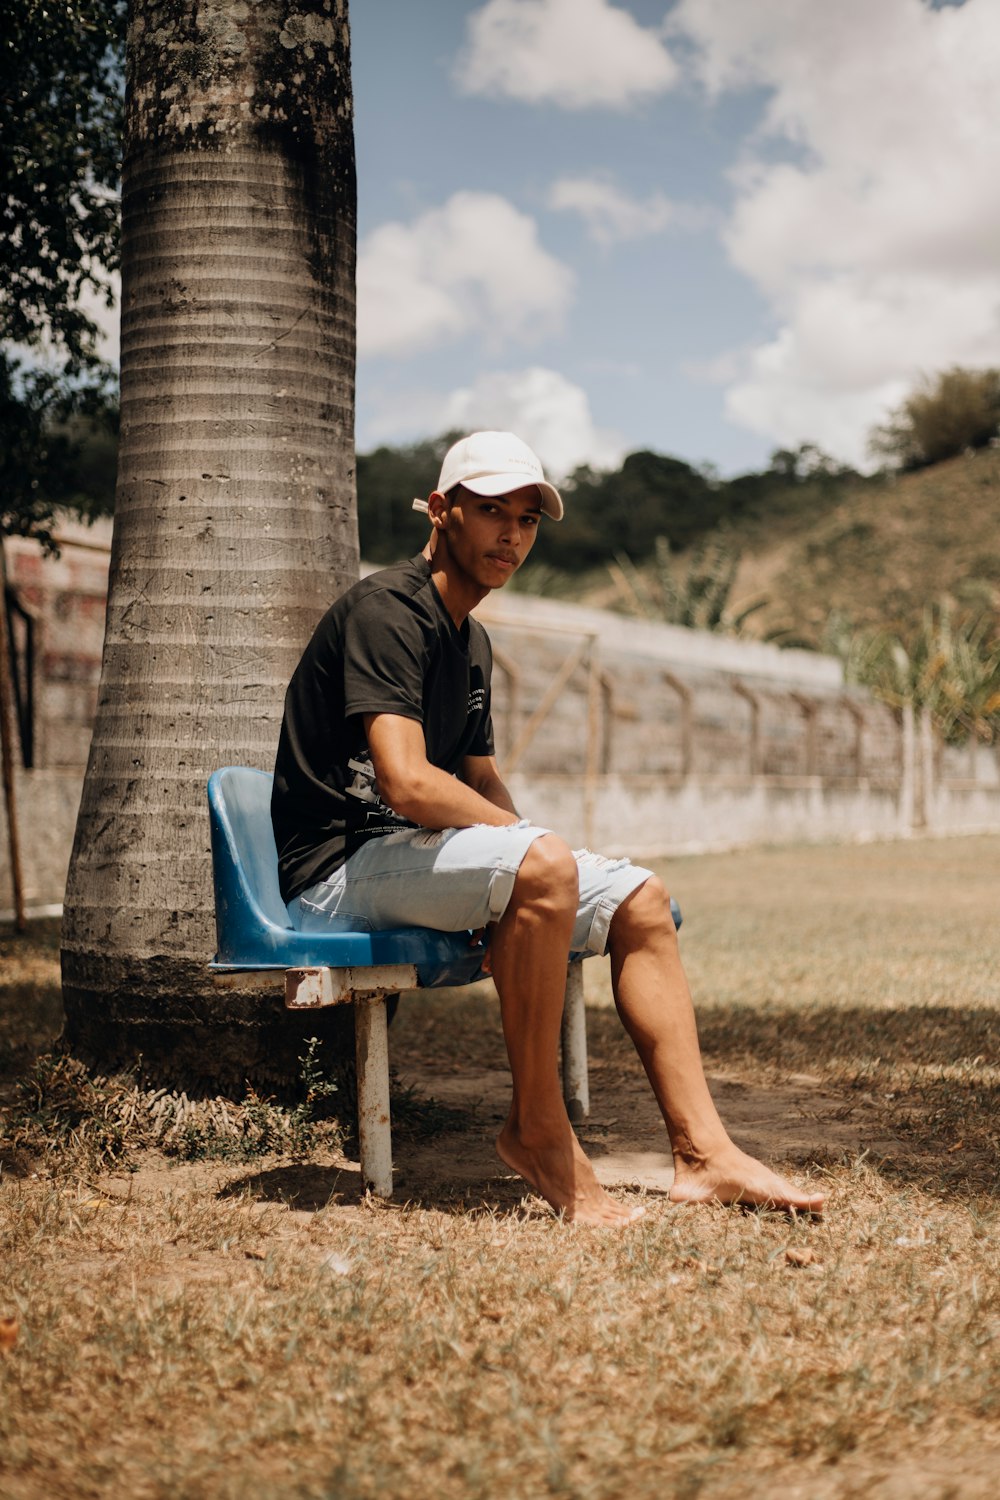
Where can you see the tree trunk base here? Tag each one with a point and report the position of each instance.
(179, 1026)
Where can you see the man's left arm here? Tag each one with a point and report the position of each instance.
(481, 774)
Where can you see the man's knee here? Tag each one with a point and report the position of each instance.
(644, 914)
(548, 873)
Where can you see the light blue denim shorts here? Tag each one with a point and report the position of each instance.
(452, 879)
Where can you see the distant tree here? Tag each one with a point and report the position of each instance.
(388, 481)
(60, 150)
(60, 155)
(804, 463)
(651, 495)
(944, 416)
(57, 450)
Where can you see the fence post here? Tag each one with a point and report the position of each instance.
(687, 727)
(925, 771)
(592, 762)
(907, 785)
(809, 709)
(857, 714)
(552, 692)
(742, 691)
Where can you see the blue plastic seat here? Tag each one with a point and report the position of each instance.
(252, 924)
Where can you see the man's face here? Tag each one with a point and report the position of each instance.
(489, 536)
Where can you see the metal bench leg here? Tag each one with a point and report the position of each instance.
(576, 1086)
(371, 1043)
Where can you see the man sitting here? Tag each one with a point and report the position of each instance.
(389, 811)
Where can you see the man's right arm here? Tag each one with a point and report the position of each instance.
(417, 790)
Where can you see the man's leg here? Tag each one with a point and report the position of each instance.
(654, 1002)
(529, 949)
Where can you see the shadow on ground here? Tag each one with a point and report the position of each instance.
(929, 1076)
(918, 1088)
(308, 1188)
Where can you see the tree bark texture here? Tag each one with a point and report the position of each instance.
(235, 520)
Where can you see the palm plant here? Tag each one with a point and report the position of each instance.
(697, 599)
(948, 666)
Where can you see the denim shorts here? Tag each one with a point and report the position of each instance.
(455, 879)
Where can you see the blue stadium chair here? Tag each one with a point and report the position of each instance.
(252, 924)
(255, 934)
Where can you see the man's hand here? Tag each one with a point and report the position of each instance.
(423, 793)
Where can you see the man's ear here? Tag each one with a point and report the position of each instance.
(437, 510)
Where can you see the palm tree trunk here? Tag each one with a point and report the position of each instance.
(235, 518)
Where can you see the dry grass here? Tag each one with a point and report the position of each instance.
(183, 1331)
(935, 525)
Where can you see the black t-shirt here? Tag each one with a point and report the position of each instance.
(386, 646)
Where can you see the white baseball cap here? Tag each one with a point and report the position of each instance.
(494, 463)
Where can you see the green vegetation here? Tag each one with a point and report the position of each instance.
(697, 597)
(60, 153)
(946, 415)
(60, 160)
(948, 666)
(651, 496)
(58, 450)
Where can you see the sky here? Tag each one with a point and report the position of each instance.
(712, 228)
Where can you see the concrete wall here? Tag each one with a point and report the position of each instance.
(624, 735)
(47, 803)
(662, 740)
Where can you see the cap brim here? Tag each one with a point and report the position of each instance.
(505, 484)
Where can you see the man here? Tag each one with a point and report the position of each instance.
(389, 811)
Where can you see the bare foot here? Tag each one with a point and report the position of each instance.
(564, 1177)
(730, 1176)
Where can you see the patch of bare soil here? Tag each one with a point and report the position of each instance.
(792, 1123)
(797, 1120)
(461, 1069)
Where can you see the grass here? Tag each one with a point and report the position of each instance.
(197, 1329)
(931, 523)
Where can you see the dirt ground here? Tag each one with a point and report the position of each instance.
(788, 1122)
(210, 1329)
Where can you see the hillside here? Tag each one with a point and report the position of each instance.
(878, 552)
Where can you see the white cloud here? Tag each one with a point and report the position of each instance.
(578, 54)
(610, 214)
(867, 204)
(544, 408)
(472, 266)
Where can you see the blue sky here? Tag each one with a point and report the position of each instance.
(708, 227)
(712, 228)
